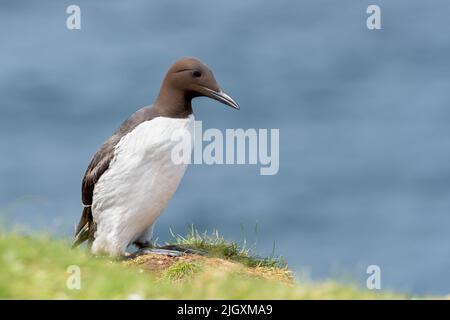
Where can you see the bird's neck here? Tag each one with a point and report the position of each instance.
(173, 103)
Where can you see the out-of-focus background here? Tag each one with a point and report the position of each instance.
(363, 115)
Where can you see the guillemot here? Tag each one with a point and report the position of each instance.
(131, 178)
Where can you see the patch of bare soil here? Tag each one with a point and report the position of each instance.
(156, 263)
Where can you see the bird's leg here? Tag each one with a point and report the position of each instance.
(143, 244)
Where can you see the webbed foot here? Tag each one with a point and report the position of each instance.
(165, 252)
(182, 249)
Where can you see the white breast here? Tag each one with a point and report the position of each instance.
(141, 179)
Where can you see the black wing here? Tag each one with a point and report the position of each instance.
(98, 165)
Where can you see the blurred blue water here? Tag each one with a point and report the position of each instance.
(363, 116)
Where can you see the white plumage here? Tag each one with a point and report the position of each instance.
(135, 189)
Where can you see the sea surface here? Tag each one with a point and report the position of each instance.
(364, 119)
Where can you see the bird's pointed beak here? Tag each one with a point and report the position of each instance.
(221, 97)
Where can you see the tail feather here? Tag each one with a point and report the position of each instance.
(85, 229)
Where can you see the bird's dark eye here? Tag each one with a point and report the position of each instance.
(196, 74)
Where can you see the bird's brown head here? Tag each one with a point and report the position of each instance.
(186, 79)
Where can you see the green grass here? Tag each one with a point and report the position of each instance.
(36, 267)
(182, 270)
(216, 246)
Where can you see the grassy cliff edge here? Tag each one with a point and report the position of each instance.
(39, 267)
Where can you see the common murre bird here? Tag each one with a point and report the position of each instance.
(131, 178)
